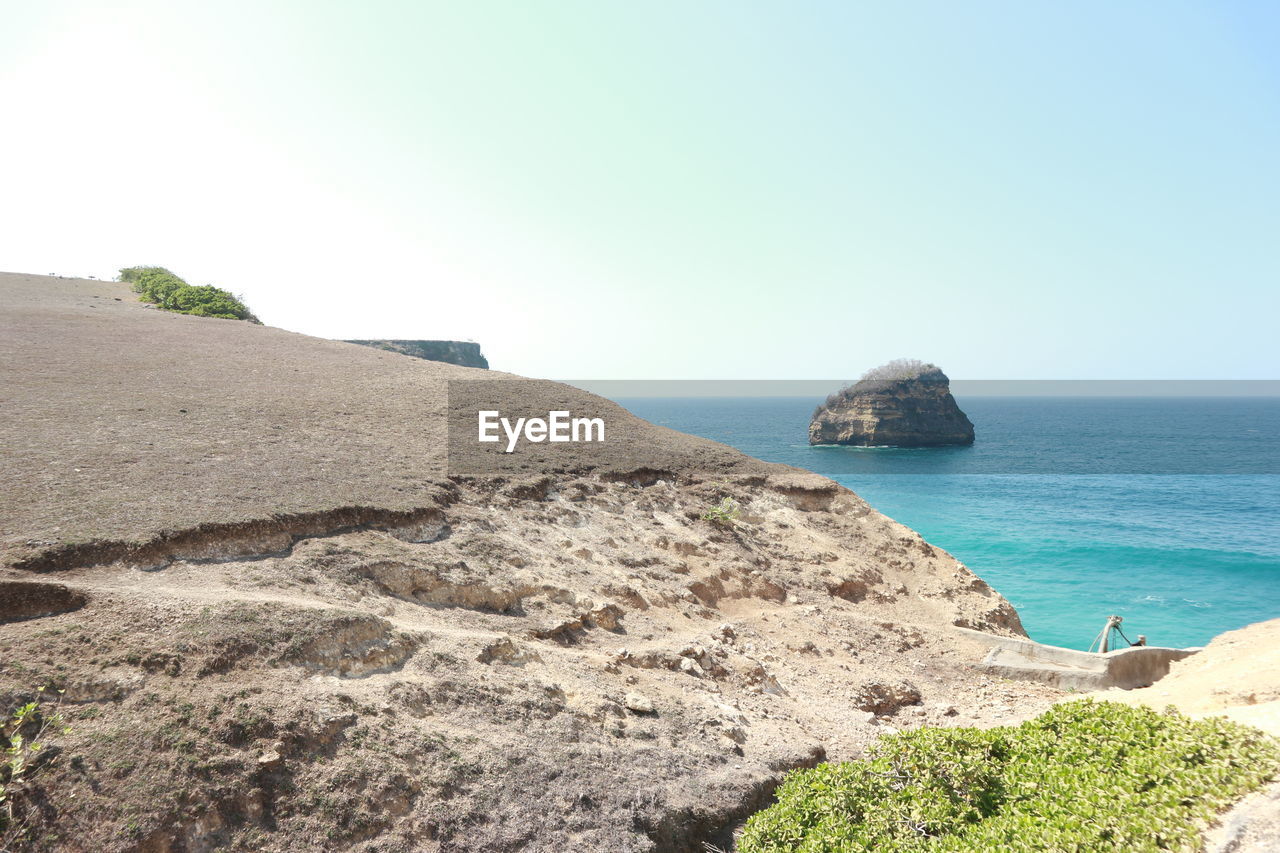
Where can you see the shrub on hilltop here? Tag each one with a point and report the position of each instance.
(881, 378)
(898, 370)
(166, 290)
(1084, 776)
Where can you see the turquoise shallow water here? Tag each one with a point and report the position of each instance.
(1163, 511)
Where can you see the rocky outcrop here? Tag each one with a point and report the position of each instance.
(900, 404)
(461, 353)
(595, 669)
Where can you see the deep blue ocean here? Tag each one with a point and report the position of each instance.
(1165, 511)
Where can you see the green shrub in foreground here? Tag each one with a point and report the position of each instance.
(1084, 776)
(161, 287)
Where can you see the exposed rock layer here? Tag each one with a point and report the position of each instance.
(594, 669)
(913, 412)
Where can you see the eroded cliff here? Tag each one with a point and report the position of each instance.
(281, 624)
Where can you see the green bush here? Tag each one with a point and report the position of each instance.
(724, 513)
(1084, 776)
(24, 739)
(161, 287)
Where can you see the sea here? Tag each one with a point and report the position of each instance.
(1164, 511)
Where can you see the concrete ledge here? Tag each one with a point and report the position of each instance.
(1027, 660)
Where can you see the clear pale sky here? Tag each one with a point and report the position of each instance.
(675, 189)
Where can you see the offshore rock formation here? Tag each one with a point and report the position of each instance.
(904, 403)
(461, 353)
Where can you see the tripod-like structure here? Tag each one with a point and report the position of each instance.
(1105, 642)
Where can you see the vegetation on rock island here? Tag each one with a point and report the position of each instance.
(890, 373)
(1085, 776)
(166, 290)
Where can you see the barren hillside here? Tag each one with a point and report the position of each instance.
(280, 624)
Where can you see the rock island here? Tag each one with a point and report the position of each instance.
(905, 403)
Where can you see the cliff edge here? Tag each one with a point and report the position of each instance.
(461, 353)
(903, 404)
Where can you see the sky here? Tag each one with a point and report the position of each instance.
(675, 190)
